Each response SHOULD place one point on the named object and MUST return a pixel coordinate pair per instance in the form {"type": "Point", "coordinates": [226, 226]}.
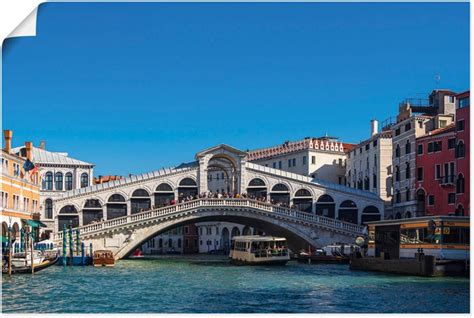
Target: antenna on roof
{"type": "Point", "coordinates": [437, 80]}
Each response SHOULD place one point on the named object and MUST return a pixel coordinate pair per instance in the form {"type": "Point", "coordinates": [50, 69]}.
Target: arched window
{"type": "Point", "coordinates": [398, 216]}
{"type": "Point", "coordinates": [460, 210]}
{"type": "Point", "coordinates": [116, 207]}
{"type": "Point", "coordinates": [348, 212]}
{"type": "Point", "coordinates": [303, 193]}
{"type": "Point", "coordinates": [160, 243]}
{"type": "Point", "coordinates": [116, 198]}
{"type": "Point", "coordinates": [407, 147]}
{"type": "Point", "coordinates": [48, 181]}
{"type": "Point", "coordinates": [325, 206]}
{"type": "Point", "coordinates": [84, 180]}
{"type": "Point", "coordinates": [256, 183]}
{"type": "Point", "coordinates": [280, 195]}
{"type": "Point", "coordinates": [58, 181]}
{"type": "Point", "coordinates": [48, 209]}
{"type": "Point", "coordinates": [140, 193]}
{"type": "Point", "coordinates": [170, 243]}
{"type": "Point", "coordinates": [407, 215]}
{"type": "Point", "coordinates": [280, 188]}
{"type": "Point", "coordinates": [68, 209]}
{"type": "Point", "coordinates": [303, 200]}
{"type": "Point", "coordinates": [460, 184]}
{"type": "Point", "coordinates": [460, 151]}
{"type": "Point", "coordinates": [179, 243]}
{"type": "Point", "coordinates": [369, 214]}
{"type": "Point", "coordinates": [68, 180]}
{"type": "Point", "coordinates": [397, 173]}
{"type": "Point", "coordinates": [140, 201]}
{"type": "Point", "coordinates": [397, 151]}
{"type": "Point", "coordinates": [398, 197]}
{"type": "Point", "coordinates": [92, 212]}
{"type": "Point", "coordinates": [407, 171]}
{"type": "Point", "coordinates": [164, 187]}
{"type": "Point", "coordinates": [188, 182]}
{"type": "Point", "coordinates": [187, 187]}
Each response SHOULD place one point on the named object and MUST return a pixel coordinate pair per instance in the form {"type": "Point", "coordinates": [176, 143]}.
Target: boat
{"type": "Point", "coordinates": [137, 254]}
{"type": "Point", "coordinates": [21, 262]}
{"type": "Point", "coordinates": [259, 250]}
{"type": "Point", "coordinates": [338, 253]}
{"type": "Point", "coordinates": [103, 258]}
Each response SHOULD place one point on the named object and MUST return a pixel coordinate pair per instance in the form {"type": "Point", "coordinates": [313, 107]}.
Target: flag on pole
{"type": "Point", "coordinates": [28, 165]}
{"type": "Point", "coordinates": [33, 172]}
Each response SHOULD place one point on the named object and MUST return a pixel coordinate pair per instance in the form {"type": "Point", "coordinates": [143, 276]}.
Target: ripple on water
{"type": "Point", "coordinates": [210, 284]}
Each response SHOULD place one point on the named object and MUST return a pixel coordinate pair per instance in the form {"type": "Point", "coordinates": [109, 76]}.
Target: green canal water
{"type": "Point", "coordinates": [208, 284]}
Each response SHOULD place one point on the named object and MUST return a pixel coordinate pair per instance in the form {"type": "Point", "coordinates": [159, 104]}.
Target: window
{"type": "Point", "coordinates": [431, 199]}
{"type": "Point", "coordinates": [313, 160]}
{"type": "Point", "coordinates": [451, 143]}
{"type": "Point", "coordinates": [419, 174]}
{"type": "Point", "coordinates": [16, 169]}
{"type": "Point", "coordinates": [438, 146]}
{"type": "Point", "coordinates": [4, 202]}
{"type": "Point", "coordinates": [464, 102]}
{"type": "Point", "coordinates": [407, 171]}
{"type": "Point", "coordinates": [420, 124]}
{"type": "Point", "coordinates": [186, 230]}
{"type": "Point", "coordinates": [407, 126]}
{"type": "Point", "coordinates": [48, 181]}
{"type": "Point", "coordinates": [460, 151]}
{"type": "Point", "coordinates": [279, 164]}
{"type": "Point", "coordinates": [68, 181]}
{"type": "Point", "coordinates": [367, 147]}
{"type": "Point", "coordinates": [451, 198]}
{"type": "Point", "coordinates": [438, 171]}
{"type": "Point", "coordinates": [407, 147]}
{"type": "Point", "coordinates": [430, 147]}
{"type": "Point", "coordinates": [179, 243]}
{"type": "Point", "coordinates": [460, 125]}
{"type": "Point", "coordinates": [304, 160]}
{"type": "Point", "coordinates": [460, 184]}
{"type": "Point", "coordinates": [374, 143]}
{"type": "Point", "coordinates": [398, 197]}
{"type": "Point", "coordinates": [294, 162]}
{"type": "Point", "coordinates": [58, 181]}
{"type": "Point", "coordinates": [360, 150]}
{"type": "Point", "coordinates": [274, 165]}
{"type": "Point", "coordinates": [374, 181]}
{"type": "Point", "coordinates": [397, 151]}
{"type": "Point", "coordinates": [397, 132]}
{"type": "Point", "coordinates": [289, 163]}
{"type": "Point", "coordinates": [397, 173]}
{"type": "Point", "coordinates": [420, 149]}
{"type": "Point", "coordinates": [407, 194]}
{"type": "Point", "coordinates": [442, 123]}
{"type": "Point", "coordinates": [84, 180]}
{"type": "Point", "coordinates": [48, 208]}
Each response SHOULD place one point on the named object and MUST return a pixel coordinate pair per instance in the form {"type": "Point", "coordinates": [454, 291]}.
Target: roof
{"type": "Point", "coordinates": [439, 131]}
{"type": "Point", "coordinates": [42, 156]}
{"type": "Point", "coordinates": [219, 148]}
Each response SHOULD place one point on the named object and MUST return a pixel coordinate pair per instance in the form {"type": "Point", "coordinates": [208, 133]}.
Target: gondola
{"type": "Point", "coordinates": [47, 262]}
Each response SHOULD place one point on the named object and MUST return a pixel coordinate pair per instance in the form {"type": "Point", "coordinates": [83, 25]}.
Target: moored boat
{"type": "Point", "coordinates": [21, 263]}
{"type": "Point", "coordinates": [103, 258]}
{"type": "Point", "coordinates": [259, 250]}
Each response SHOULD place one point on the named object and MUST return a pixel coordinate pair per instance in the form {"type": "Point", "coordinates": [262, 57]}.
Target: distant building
{"type": "Point", "coordinates": [59, 174]}
{"type": "Point", "coordinates": [191, 239]}
{"type": "Point", "coordinates": [369, 164]}
{"type": "Point", "coordinates": [416, 118]}
{"type": "Point", "coordinates": [168, 242]}
{"type": "Point", "coordinates": [321, 158]}
{"type": "Point", "coordinates": [463, 153]}
{"type": "Point", "coordinates": [216, 236]}
{"type": "Point", "coordinates": [20, 194]}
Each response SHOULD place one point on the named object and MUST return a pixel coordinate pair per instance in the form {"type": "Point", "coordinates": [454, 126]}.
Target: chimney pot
{"type": "Point", "coordinates": [374, 127]}
{"type": "Point", "coordinates": [8, 134]}
{"type": "Point", "coordinates": [29, 149]}
{"type": "Point", "coordinates": [42, 144]}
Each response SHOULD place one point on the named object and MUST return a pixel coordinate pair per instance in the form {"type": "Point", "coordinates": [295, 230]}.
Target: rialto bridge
{"type": "Point", "coordinates": [123, 214]}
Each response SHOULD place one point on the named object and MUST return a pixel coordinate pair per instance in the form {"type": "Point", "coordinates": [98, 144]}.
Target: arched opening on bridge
{"type": "Point", "coordinates": [140, 201]}
{"type": "Point", "coordinates": [225, 240]}
{"type": "Point", "coordinates": [371, 213]}
{"type": "Point", "coordinates": [407, 214]}
{"type": "Point", "coordinates": [116, 207]}
{"type": "Point", "coordinates": [398, 216]}
{"type": "Point", "coordinates": [222, 174]}
{"type": "Point", "coordinates": [92, 212]}
{"type": "Point", "coordinates": [325, 206]}
{"type": "Point", "coordinates": [280, 195]}
{"type": "Point", "coordinates": [15, 231]}
{"type": "Point", "coordinates": [348, 212]}
{"type": "Point", "coordinates": [420, 201]}
{"type": "Point", "coordinates": [257, 189]}
{"type": "Point", "coordinates": [187, 187]}
{"type": "Point", "coordinates": [68, 217]}
{"type": "Point", "coordinates": [303, 200]}
{"type": "Point", "coordinates": [235, 232]}
{"type": "Point", "coordinates": [164, 195]}
{"type": "Point", "coordinates": [247, 230]}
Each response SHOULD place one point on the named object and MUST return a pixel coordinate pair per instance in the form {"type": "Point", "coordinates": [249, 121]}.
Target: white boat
{"type": "Point", "coordinates": [259, 250]}
{"type": "Point", "coordinates": [340, 249]}
{"type": "Point", "coordinates": [24, 259]}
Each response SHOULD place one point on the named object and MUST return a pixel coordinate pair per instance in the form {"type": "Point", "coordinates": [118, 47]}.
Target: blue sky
{"type": "Point", "coordinates": [136, 87]}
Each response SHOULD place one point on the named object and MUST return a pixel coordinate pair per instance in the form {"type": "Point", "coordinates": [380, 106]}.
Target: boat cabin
{"type": "Point", "coordinates": [444, 237]}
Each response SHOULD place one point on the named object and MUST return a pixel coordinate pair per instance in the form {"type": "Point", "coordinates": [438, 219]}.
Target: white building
{"type": "Point", "coordinates": [216, 236]}
{"type": "Point", "coordinates": [369, 164]}
{"type": "Point", "coordinates": [320, 158]}
{"type": "Point", "coordinates": [168, 242]}
{"type": "Point", "coordinates": [59, 173]}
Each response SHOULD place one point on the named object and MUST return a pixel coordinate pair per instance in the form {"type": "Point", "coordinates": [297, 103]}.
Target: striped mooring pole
{"type": "Point", "coordinates": [64, 244]}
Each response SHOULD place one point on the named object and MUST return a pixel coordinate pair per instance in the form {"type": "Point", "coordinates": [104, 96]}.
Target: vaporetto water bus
{"type": "Point", "coordinates": [259, 250]}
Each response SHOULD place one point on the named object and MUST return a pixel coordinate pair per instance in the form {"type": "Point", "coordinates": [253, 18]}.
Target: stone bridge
{"type": "Point", "coordinates": [132, 208]}
{"type": "Point", "coordinates": [123, 235]}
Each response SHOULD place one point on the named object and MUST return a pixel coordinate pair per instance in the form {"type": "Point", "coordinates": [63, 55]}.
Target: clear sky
{"type": "Point", "coordinates": [136, 87]}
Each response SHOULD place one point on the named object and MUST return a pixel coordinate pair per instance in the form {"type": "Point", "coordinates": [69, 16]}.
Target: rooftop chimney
{"type": "Point", "coordinates": [42, 144]}
{"type": "Point", "coordinates": [8, 134]}
{"type": "Point", "coordinates": [374, 127]}
{"type": "Point", "coordinates": [29, 149]}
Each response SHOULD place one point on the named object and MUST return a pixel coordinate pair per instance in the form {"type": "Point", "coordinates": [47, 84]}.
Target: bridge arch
{"type": "Point", "coordinates": [326, 206]}
{"type": "Point", "coordinates": [92, 211]}
{"type": "Point", "coordinates": [164, 194]}
{"type": "Point", "coordinates": [140, 200]}
{"type": "Point", "coordinates": [68, 215]}
{"type": "Point", "coordinates": [280, 194]}
{"type": "Point", "coordinates": [372, 213]}
{"type": "Point", "coordinates": [116, 206]}
{"type": "Point", "coordinates": [257, 188]}
{"type": "Point", "coordinates": [187, 187]}
{"type": "Point", "coordinates": [228, 166]}
{"type": "Point", "coordinates": [348, 212]}
{"type": "Point", "coordinates": [303, 200]}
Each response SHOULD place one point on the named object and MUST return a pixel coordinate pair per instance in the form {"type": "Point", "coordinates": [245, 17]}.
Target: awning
{"type": "Point", "coordinates": [34, 223]}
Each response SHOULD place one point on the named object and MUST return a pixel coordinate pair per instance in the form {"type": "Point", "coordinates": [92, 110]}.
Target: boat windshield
{"type": "Point", "coordinates": [269, 248]}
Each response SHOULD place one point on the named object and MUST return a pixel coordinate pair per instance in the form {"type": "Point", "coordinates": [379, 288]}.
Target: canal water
{"type": "Point", "coordinates": [208, 284]}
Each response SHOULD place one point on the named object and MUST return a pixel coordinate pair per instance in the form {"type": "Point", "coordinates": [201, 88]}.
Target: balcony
{"type": "Point", "coordinates": [447, 181]}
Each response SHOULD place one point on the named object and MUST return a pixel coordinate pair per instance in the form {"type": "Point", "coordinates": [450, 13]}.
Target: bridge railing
{"type": "Point", "coordinates": [169, 210]}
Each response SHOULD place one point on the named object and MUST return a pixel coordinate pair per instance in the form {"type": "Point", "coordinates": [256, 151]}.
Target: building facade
{"type": "Point", "coordinates": [321, 158]}
{"type": "Point", "coordinates": [215, 237]}
{"type": "Point", "coordinates": [59, 173]}
{"type": "Point", "coordinates": [435, 173]}
{"type": "Point", "coordinates": [416, 118]}
{"type": "Point", "coordinates": [20, 192]}
{"type": "Point", "coordinates": [369, 164]}
{"type": "Point", "coordinates": [463, 153]}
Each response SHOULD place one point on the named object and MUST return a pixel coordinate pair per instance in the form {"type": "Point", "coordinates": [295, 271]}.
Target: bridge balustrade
{"type": "Point", "coordinates": [168, 210]}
